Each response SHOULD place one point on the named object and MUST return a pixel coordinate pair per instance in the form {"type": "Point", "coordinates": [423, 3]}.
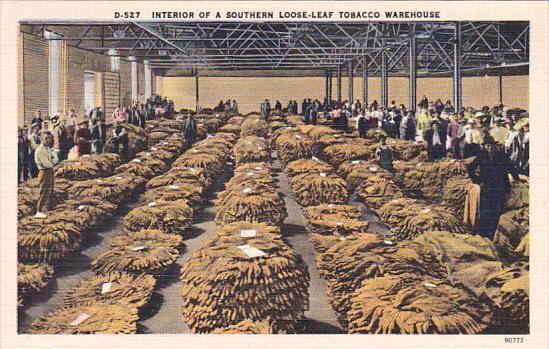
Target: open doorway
{"type": "Point", "coordinates": [89, 91]}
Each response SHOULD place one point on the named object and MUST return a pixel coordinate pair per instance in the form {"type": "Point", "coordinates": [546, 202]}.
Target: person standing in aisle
{"type": "Point", "coordinates": [98, 136]}
{"type": "Point", "coordinates": [362, 125]}
{"type": "Point", "coordinates": [266, 109]}
{"type": "Point", "coordinates": [490, 170]}
{"type": "Point", "coordinates": [278, 106]}
{"type": "Point", "coordinates": [34, 143]}
{"type": "Point", "coordinates": [190, 130]}
{"type": "Point", "coordinates": [22, 154]}
{"type": "Point", "coordinates": [436, 142]}
{"type": "Point", "coordinates": [38, 120]}
{"type": "Point", "coordinates": [120, 137]}
{"type": "Point", "coordinates": [384, 155]}
{"type": "Point", "coordinates": [234, 107]}
{"type": "Point", "coordinates": [83, 139]}
{"type": "Point", "coordinates": [45, 159]}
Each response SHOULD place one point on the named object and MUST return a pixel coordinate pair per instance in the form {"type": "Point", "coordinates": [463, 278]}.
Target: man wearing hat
{"type": "Point", "coordinates": [490, 171]}
{"type": "Point", "coordinates": [37, 120]}
{"type": "Point", "coordinates": [45, 159]}
{"type": "Point", "coordinates": [62, 140]}
{"type": "Point", "coordinates": [499, 132]}
{"type": "Point", "coordinates": [459, 141]}
{"type": "Point", "coordinates": [436, 141]}
{"type": "Point", "coordinates": [83, 139]}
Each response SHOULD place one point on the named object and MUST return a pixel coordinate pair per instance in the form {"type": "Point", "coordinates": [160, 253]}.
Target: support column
{"type": "Point", "coordinates": [326, 74]}
{"type": "Point", "coordinates": [148, 80]}
{"type": "Point", "coordinates": [412, 93]}
{"type": "Point", "coordinates": [365, 81]}
{"type": "Point", "coordinates": [197, 91]}
{"type": "Point", "coordinates": [384, 78]}
{"type": "Point", "coordinates": [330, 86]}
{"type": "Point", "coordinates": [351, 78]}
{"type": "Point", "coordinates": [133, 70]}
{"type": "Point", "coordinates": [457, 66]}
{"type": "Point", "coordinates": [339, 83]}
{"type": "Point", "coordinates": [500, 89]}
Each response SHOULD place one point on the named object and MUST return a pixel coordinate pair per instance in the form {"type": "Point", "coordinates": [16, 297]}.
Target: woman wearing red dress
{"type": "Point", "coordinates": [83, 139]}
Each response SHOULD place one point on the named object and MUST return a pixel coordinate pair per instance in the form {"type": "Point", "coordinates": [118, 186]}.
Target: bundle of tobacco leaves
{"type": "Point", "coordinates": [313, 165]}
{"type": "Point", "coordinates": [251, 149]}
{"type": "Point", "coordinates": [190, 193]}
{"type": "Point", "coordinates": [254, 278]}
{"type": "Point", "coordinates": [47, 239]}
{"type": "Point", "coordinates": [246, 327]}
{"type": "Point", "coordinates": [168, 216]}
{"type": "Point", "coordinates": [90, 319]}
{"type": "Point", "coordinates": [254, 127]}
{"type": "Point", "coordinates": [377, 190]}
{"type": "Point", "coordinates": [145, 251]}
{"type": "Point", "coordinates": [292, 146]}
{"type": "Point", "coordinates": [319, 188]}
{"type": "Point", "coordinates": [366, 255]}
{"type": "Point", "coordinates": [114, 288]}
{"type": "Point", "coordinates": [415, 304]}
{"type": "Point", "coordinates": [408, 218]}
{"type": "Point", "coordinates": [32, 278]}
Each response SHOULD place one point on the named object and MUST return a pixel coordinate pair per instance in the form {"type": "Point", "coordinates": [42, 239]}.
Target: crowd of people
{"type": "Point", "coordinates": [83, 135]}
{"type": "Point", "coordinates": [227, 107]}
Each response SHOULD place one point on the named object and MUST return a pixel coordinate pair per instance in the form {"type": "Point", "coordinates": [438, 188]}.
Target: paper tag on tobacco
{"type": "Point", "coordinates": [315, 158]}
{"type": "Point", "coordinates": [252, 252]}
{"type": "Point", "coordinates": [174, 186]}
{"type": "Point", "coordinates": [136, 160]}
{"type": "Point", "coordinates": [147, 154]}
{"type": "Point", "coordinates": [354, 162]}
{"type": "Point", "coordinates": [373, 169]}
{"type": "Point", "coordinates": [80, 319]}
{"type": "Point", "coordinates": [191, 169]}
{"type": "Point", "coordinates": [322, 174]}
{"type": "Point", "coordinates": [154, 148]}
{"type": "Point", "coordinates": [247, 190]}
{"type": "Point", "coordinates": [138, 248]}
{"type": "Point", "coordinates": [297, 136]}
{"type": "Point", "coordinates": [248, 233]}
{"type": "Point", "coordinates": [249, 173]}
{"type": "Point", "coordinates": [118, 177]}
{"type": "Point", "coordinates": [428, 284]}
{"type": "Point", "coordinates": [259, 168]}
{"type": "Point", "coordinates": [106, 287]}
{"type": "Point", "coordinates": [387, 242]}
{"type": "Point", "coordinates": [81, 207]}
{"type": "Point", "coordinates": [99, 181]}
{"type": "Point", "coordinates": [151, 204]}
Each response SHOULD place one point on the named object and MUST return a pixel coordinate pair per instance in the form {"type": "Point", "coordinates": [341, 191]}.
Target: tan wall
{"type": "Point", "coordinates": [35, 77]}
{"type": "Point", "coordinates": [250, 92]}
{"type": "Point", "coordinates": [74, 62]}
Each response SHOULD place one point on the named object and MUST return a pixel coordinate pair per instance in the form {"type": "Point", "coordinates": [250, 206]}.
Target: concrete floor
{"type": "Point", "coordinates": [162, 313]}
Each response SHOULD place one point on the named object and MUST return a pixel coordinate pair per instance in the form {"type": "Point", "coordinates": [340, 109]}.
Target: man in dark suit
{"type": "Point", "coordinates": [436, 141]}
{"type": "Point", "coordinates": [490, 170]}
{"type": "Point", "coordinates": [99, 135]}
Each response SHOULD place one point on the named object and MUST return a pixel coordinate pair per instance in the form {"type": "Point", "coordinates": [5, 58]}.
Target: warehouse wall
{"type": "Point", "coordinates": [112, 88]}
{"type": "Point", "coordinates": [250, 92]}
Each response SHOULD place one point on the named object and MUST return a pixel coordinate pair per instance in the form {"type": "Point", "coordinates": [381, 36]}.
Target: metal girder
{"type": "Point", "coordinates": [302, 45]}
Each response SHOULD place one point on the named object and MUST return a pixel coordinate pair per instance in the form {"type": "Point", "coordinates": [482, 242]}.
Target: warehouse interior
{"type": "Point", "coordinates": [263, 223]}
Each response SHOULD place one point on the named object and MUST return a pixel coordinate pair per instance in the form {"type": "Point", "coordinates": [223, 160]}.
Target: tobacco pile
{"type": "Point", "coordinates": [377, 190]}
{"type": "Point", "coordinates": [253, 203]}
{"type": "Point", "coordinates": [344, 211]}
{"type": "Point", "coordinates": [178, 176]}
{"type": "Point", "coordinates": [303, 166]}
{"type": "Point", "coordinates": [509, 290]}
{"type": "Point", "coordinates": [376, 134]}
{"type": "Point", "coordinates": [254, 127]}
{"type": "Point", "coordinates": [231, 128]}
{"type": "Point", "coordinates": [292, 146]}
{"type": "Point", "coordinates": [88, 167]}
{"type": "Point", "coordinates": [468, 259]}
{"type": "Point", "coordinates": [246, 327]}
{"type": "Point", "coordinates": [414, 304]}
{"type": "Point", "coordinates": [88, 213]}
{"type": "Point", "coordinates": [406, 150]}
{"type": "Point", "coordinates": [190, 193]}
{"type": "Point", "coordinates": [123, 289]}
{"type": "Point", "coordinates": [32, 278]}
{"type": "Point", "coordinates": [251, 149]}
{"type": "Point", "coordinates": [238, 287]}
{"type": "Point", "coordinates": [362, 256]}
{"type": "Point", "coordinates": [409, 218]}
{"type": "Point", "coordinates": [350, 150]}
{"type": "Point", "coordinates": [318, 188]}
{"type": "Point", "coordinates": [136, 167]}
{"type": "Point", "coordinates": [116, 189]}
{"type": "Point", "coordinates": [145, 251]}
{"type": "Point", "coordinates": [243, 229]}
{"type": "Point", "coordinates": [99, 319]}
{"type": "Point", "coordinates": [428, 178]}
{"type": "Point", "coordinates": [519, 196]}
{"type": "Point", "coordinates": [173, 217]}
{"type": "Point", "coordinates": [47, 239]}
{"type": "Point", "coordinates": [356, 172]}
{"type": "Point", "coordinates": [330, 228]}
{"type": "Point", "coordinates": [454, 194]}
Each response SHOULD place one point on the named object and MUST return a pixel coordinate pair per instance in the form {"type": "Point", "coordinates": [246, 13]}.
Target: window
{"type": "Point", "coordinates": [54, 47]}
{"type": "Point", "coordinates": [89, 91]}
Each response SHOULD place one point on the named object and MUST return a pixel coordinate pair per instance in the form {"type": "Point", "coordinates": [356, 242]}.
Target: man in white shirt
{"type": "Point", "coordinates": [45, 159]}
